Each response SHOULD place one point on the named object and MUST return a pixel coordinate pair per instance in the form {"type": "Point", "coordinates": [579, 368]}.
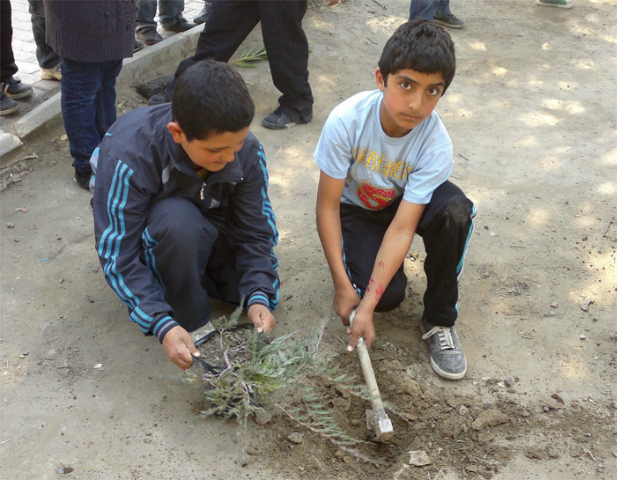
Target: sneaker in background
{"type": "Point", "coordinates": [15, 89]}
{"type": "Point", "coordinates": [51, 73]}
{"type": "Point", "coordinates": [449, 21]}
{"type": "Point", "coordinates": [148, 36]}
{"type": "Point", "coordinates": [445, 349]}
{"type": "Point", "coordinates": [556, 3]}
{"type": "Point", "coordinates": [83, 179]}
{"type": "Point", "coordinates": [180, 24]}
{"type": "Point", "coordinates": [284, 117]}
{"type": "Point", "coordinates": [137, 46]}
{"type": "Point", "coordinates": [7, 105]}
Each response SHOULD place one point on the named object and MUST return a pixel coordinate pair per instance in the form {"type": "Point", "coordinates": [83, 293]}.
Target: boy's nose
{"type": "Point", "coordinates": [415, 101]}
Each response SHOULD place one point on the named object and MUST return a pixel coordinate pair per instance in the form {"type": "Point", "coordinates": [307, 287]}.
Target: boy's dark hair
{"type": "Point", "coordinates": [421, 46]}
{"type": "Point", "coordinates": [209, 98]}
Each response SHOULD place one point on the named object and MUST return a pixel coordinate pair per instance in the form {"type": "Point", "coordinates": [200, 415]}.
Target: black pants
{"type": "Point", "coordinates": [8, 67]}
{"type": "Point", "coordinates": [190, 257]}
{"type": "Point", "coordinates": [45, 55]}
{"type": "Point", "coordinates": [445, 226]}
{"type": "Point", "coordinates": [229, 23]}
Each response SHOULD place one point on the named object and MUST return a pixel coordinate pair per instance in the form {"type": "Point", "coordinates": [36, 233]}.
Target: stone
{"type": "Point", "coordinates": [262, 417]}
{"type": "Point", "coordinates": [295, 437]}
{"type": "Point", "coordinates": [489, 418]}
{"type": "Point", "coordinates": [418, 458]}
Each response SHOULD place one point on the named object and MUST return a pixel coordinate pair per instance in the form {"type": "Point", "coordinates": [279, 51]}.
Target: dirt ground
{"type": "Point", "coordinates": [531, 112]}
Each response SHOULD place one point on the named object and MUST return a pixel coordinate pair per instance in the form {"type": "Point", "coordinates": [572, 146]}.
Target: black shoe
{"type": "Point", "coordinates": [7, 105]}
{"type": "Point", "coordinates": [83, 179]}
{"type": "Point", "coordinates": [203, 15]}
{"type": "Point", "coordinates": [445, 349]}
{"type": "Point", "coordinates": [137, 46]}
{"type": "Point", "coordinates": [165, 96]}
{"type": "Point", "coordinates": [15, 89]}
{"type": "Point", "coordinates": [449, 21]}
{"type": "Point", "coordinates": [180, 24]}
{"type": "Point", "coordinates": [284, 117]}
{"type": "Point", "coordinates": [149, 36]}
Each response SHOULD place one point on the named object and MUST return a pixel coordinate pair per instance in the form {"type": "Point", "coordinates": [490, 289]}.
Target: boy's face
{"type": "Point", "coordinates": [214, 152]}
{"type": "Point", "coordinates": [408, 99]}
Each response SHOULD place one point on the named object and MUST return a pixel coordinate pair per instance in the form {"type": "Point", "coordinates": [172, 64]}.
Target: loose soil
{"type": "Point", "coordinates": [531, 113]}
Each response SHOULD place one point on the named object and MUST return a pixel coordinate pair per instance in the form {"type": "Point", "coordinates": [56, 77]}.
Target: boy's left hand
{"type": "Point", "coordinates": [262, 318]}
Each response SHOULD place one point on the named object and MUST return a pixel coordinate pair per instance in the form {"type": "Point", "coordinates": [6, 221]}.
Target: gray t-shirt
{"type": "Point", "coordinates": [379, 168]}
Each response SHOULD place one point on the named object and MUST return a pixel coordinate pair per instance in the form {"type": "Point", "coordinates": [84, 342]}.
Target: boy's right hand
{"type": "Point", "coordinates": [345, 300]}
{"type": "Point", "coordinates": [362, 328]}
{"type": "Point", "coordinates": [179, 346]}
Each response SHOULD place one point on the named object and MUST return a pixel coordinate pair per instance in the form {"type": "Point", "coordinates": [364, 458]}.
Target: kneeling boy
{"type": "Point", "coordinates": [181, 210]}
{"type": "Point", "coordinates": [385, 159]}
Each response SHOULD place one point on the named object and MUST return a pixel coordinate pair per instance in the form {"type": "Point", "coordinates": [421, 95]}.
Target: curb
{"type": "Point", "coordinates": [134, 70]}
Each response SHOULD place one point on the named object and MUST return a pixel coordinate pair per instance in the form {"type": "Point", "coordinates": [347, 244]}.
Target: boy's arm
{"type": "Point", "coordinates": [252, 234]}
{"type": "Point", "coordinates": [394, 247]}
{"type": "Point", "coordinates": [120, 207]}
{"type": "Point", "coordinates": [328, 216]}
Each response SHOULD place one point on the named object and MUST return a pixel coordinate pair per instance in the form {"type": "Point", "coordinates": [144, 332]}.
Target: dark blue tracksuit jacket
{"type": "Point", "coordinates": [138, 163]}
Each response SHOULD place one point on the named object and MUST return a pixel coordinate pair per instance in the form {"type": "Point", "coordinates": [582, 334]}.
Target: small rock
{"type": "Point", "coordinates": [489, 418]}
{"type": "Point", "coordinates": [534, 453]}
{"type": "Point", "coordinates": [585, 303]}
{"type": "Point", "coordinates": [557, 398]}
{"type": "Point", "coordinates": [262, 417]}
{"type": "Point", "coordinates": [65, 470]}
{"type": "Point", "coordinates": [472, 468]}
{"type": "Point", "coordinates": [10, 225]}
{"type": "Point", "coordinates": [339, 454]}
{"type": "Point", "coordinates": [551, 404]}
{"type": "Point", "coordinates": [582, 337]}
{"type": "Point", "coordinates": [16, 240]}
{"type": "Point", "coordinates": [25, 352]}
{"type": "Point", "coordinates": [552, 453]}
{"type": "Point", "coordinates": [463, 410]}
{"type": "Point", "coordinates": [418, 458]}
{"type": "Point", "coordinates": [295, 437]}
{"type": "Point", "coordinates": [508, 382]}
{"type": "Point", "coordinates": [98, 366]}
{"type": "Point", "coordinates": [554, 305]}
{"type": "Point", "coordinates": [64, 138]}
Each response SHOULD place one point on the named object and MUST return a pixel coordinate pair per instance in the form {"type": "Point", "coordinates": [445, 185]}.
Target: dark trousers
{"type": "Point", "coordinates": [88, 103]}
{"type": "Point", "coordinates": [8, 67]}
{"type": "Point", "coordinates": [428, 9]}
{"type": "Point", "coordinates": [45, 55]}
{"type": "Point", "coordinates": [146, 10]}
{"type": "Point", "coordinates": [229, 23]}
{"type": "Point", "coordinates": [445, 226]}
{"type": "Point", "coordinates": [191, 259]}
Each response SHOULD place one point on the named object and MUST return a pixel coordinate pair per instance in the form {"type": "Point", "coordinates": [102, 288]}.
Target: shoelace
{"type": "Point", "coordinates": [444, 337]}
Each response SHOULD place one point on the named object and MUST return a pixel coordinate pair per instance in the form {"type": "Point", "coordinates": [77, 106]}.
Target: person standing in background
{"type": "Point", "coordinates": [49, 61]}
{"type": "Point", "coordinates": [11, 87]}
{"type": "Point", "coordinates": [91, 38]}
{"type": "Point", "coordinates": [436, 10]}
{"type": "Point", "coordinates": [170, 16]}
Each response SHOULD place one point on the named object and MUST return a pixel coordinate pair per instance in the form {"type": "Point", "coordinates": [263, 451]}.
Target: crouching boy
{"type": "Point", "coordinates": [385, 159]}
{"type": "Point", "coordinates": [181, 210]}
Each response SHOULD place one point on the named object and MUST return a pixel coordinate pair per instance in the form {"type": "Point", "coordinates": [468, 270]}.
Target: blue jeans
{"type": "Point", "coordinates": [168, 11]}
{"type": "Point", "coordinates": [88, 105]}
{"type": "Point", "coordinates": [428, 9]}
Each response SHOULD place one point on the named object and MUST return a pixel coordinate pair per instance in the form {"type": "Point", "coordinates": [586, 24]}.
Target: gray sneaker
{"type": "Point", "coordinates": [447, 356]}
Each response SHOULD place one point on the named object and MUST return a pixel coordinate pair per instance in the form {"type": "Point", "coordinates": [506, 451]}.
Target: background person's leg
{"type": "Point", "coordinates": [423, 9]}
{"type": "Point", "coordinates": [105, 102]}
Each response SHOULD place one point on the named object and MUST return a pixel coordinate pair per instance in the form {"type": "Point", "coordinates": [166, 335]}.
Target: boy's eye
{"type": "Point", "coordinates": [433, 92]}
{"type": "Point", "coordinates": [406, 85]}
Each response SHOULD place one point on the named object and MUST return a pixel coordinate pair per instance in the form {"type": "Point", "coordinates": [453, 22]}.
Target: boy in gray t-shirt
{"type": "Point", "coordinates": [385, 158]}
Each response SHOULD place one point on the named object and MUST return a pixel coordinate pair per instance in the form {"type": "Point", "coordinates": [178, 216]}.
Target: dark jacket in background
{"type": "Point", "coordinates": [91, 30]}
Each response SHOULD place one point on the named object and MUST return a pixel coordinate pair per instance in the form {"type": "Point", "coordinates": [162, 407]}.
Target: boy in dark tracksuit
{"type": "Point", "coordinates": [385, 158]}
{"type": "Point", "coordinates": [181, 210]}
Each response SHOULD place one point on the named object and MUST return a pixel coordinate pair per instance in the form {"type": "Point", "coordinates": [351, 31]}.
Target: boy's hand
{"type": "Point", "coordinates": [345, 300]}
{"type": "Point", "coordinates": [262, 318]}
{"type": "Point", "coordinates": [178, 346]}
{"type": "Point", "coordinates": [362, 328]}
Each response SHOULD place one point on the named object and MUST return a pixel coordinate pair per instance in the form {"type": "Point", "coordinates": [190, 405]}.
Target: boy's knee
{"type": "Point", "coordinates": [455, 209]}
{"type": "Point", "coordinates": [180, 222]}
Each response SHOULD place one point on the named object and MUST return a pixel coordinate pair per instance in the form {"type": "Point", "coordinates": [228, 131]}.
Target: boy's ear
{"type": "Point", "coordinates": [381, 84]}
{"type": "Point", "coordinates": [176, 132]}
